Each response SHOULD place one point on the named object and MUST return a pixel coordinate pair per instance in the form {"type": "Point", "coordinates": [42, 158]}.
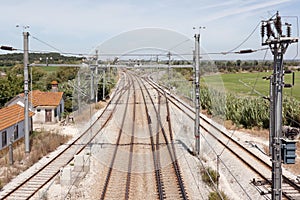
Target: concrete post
{"type": "Point", "coordinates": [26, 103]}
{"type": "Point", "coordinates": [197, 94]}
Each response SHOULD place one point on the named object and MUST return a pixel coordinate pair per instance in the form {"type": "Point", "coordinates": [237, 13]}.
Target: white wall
{"type": "Point", "coordinates": [10, 132]}
{"type": "Point", "coordinates": [39, 117]}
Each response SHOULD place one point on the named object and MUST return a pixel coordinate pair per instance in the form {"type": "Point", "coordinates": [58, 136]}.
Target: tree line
{"type": "Point", "coordinates": [9, 60]}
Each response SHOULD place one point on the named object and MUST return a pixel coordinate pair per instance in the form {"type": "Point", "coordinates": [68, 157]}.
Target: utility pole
{"type": "Point", "coordinates": [78, 94]}
{"type": "Point", "coordinates": [96, 61]}
{"type": "Point", "coordinates": [103, 87]}
{"type": "Point", "coordinates": [169, 65]}
{"type": "Point", "coordinates": [26, 103]}
{"type": "Point", "coordinates": [11, 153]}
{"type": "Point", "coordinates": [197, 94]}
{"type": "Point", "coordinates": [92, 93]}
{"type": "Point", "coordinates": [97, 77]}
{"type": "Point", "coordinates": [278, 44]}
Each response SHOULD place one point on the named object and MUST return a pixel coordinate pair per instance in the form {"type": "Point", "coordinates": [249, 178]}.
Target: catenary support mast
{"type": "Point", "coordinates": [26, 103]}
{"type": "Point", "coordinates": [278, 44]}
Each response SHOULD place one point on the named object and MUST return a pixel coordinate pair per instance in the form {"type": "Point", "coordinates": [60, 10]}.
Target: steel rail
{"type": "Point", "coordinates": [127, 188]}
{"type": "Point", "coordinates": [171, 152]}
{"type": "Point", "coordinates": [109, 174]}
{"type": "Point", "coordinates": [63, 152]}
{"type": "Point", "coordinates": [158, 178]}
{"type": "Point", "coordinates": [170, 97]}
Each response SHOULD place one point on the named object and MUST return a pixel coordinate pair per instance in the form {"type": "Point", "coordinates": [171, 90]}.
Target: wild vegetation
{"type": "Point", "coordinates": [238, 97]}
{"type": "Point", "coordinates": [210, 177]}
{"type": "Point", "coordinates": [10, 60]}
{"type": "Point", "coordinates": [12, 81]}
{"type": "Point", "coordinates": [42, 143]}
{"type": "Point", "coordinates": [215, 196]}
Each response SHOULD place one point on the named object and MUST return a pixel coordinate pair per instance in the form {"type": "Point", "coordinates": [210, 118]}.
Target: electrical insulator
{"type": "Point", "coordinates": [269, 30]}
{"type": "Point", "coordinates": [289, 31]}
{"type": "Point", "coordinates": [246, 51]}
{"type": "Point", "coordinates": [7, 48]}
{"type": "Point", "coordinates": [278, 25]}
{"type": "Point", "coordinates": [262, 30]}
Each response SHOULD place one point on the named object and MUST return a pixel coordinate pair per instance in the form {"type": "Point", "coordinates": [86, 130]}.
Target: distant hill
{"type": "Point", "coordinates": [8, 60]}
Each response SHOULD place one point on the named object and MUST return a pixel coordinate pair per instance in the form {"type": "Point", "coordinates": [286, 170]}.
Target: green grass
{"type": "Point", "coordinates": [245, 84]}
{"type": "Point", "coordinates": [49, 69]}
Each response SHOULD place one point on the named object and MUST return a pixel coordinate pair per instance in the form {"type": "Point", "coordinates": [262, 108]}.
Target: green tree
{"type": "Point", "coordinates": [10, 86]}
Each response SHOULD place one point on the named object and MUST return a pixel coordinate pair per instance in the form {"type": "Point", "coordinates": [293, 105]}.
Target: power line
{"type": "Point", "coordinates": [232, 51]}
{"type": "Point", "coordinates": [49, 45]}
{"type": "Point", "coordinates": [245, 40]}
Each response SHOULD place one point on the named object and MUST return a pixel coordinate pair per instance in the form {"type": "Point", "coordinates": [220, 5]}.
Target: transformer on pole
{"type": "Point", "coordinates": [278, 44]}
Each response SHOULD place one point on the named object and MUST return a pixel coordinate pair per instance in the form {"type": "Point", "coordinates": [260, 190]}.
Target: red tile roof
{"type": "Point", "coordinates": [40, 98]}
{"type": "Point", "coordinates": [54, 83]}
{"type": "Point", "coordinates": [11, 115]}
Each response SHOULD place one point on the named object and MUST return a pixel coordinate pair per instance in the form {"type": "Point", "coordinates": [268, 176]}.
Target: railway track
{"type": "Point", "coordinates": [291, 190]}
{"type": "Point", "coordinates": [110, 190]}
{"type": "Point", "coordinates": [28, 187]}
{"type": "Point", "coordinates": [166, 173]}
{"type": "Point", "coordinates": [167, 180]}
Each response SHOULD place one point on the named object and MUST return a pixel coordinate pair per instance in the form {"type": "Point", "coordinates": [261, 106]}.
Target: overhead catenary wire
{"type": "Point", "coordinates": [139, 54]}
{"type": "Point", "coordinates": [244, 41]}
{"type": "Point", "coordinates": [46, 43]}
{"type": "Point", "coordinates": [232, 51]}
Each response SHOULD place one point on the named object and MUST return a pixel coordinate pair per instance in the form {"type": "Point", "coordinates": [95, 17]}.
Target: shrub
{"type": "Point", "coordinates": [209, 175]}
{"type": "Point", "coordinates": [215, 196]}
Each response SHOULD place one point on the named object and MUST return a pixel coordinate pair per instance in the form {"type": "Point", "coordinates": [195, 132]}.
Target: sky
{"type": "Point", "coordinates": [80, 26]}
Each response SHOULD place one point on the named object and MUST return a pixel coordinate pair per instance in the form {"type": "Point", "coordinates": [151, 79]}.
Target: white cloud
{"type": "Point", "coordinates": [245, 8]}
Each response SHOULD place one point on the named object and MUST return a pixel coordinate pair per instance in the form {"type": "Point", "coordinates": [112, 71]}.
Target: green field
{"type": "Point", "coordinates": [49, 69]}
{"type": "Point", "coordinates": [250, 83]}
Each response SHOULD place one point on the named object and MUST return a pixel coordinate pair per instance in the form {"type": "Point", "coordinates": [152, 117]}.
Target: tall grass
{"type": "Point", "coordinates": [247, 111]}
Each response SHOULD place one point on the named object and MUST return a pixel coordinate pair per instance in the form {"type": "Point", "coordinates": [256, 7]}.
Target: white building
{"type": "Point", "coordinates": [12, 124]}
{"type": "Point", "coordinates": [47, 106]}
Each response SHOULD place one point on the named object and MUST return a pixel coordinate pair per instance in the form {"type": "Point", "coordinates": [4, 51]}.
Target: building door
{"type": "Point", "coordinates": [48, 115]}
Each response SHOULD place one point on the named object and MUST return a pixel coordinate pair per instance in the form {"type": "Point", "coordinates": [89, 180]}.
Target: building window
{"type": "Point", "coordinates": [16, 132]}
{"type": "Point", "coordinates": [4, 138]}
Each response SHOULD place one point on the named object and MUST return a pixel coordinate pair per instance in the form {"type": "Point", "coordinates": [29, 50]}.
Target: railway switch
{"type": "Point", "coordinates": [288, 151]}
